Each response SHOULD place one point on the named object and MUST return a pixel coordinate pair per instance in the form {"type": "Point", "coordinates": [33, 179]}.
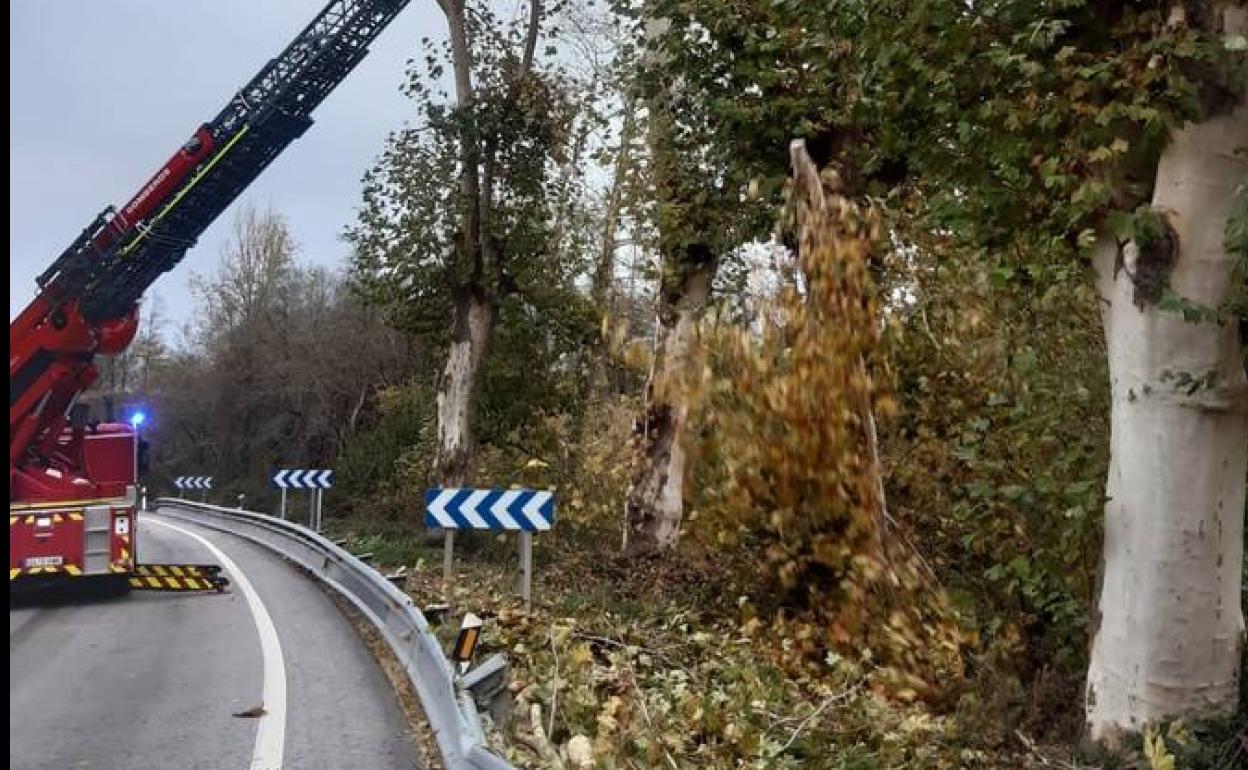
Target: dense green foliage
{"type": "Point", "coordinates": [999, 139]}
{"type": "Point", "coordinates": [476, 200]}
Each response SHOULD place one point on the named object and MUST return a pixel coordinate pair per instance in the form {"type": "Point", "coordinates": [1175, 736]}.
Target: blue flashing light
{"type": "Point", "coordinates": [137, 419]}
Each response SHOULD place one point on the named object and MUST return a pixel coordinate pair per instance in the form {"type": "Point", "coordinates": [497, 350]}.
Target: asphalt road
{"type": "Point", "coordinates": [153, 680]}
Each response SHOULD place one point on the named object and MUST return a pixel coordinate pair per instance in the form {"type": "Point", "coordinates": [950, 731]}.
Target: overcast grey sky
{"type": "Point", "coordinates": [101, 94]}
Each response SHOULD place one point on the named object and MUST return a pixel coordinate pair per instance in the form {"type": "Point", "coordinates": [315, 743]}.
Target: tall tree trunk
{"type": "Point", "coordinates": [475, 300]}
{"type": "Point", "coordinates": [469, 181]}
{"type": "Point", "coordinates": [655, 503]}
{"type": "Point", "coordinates": [601, 290]}
{"type": "Point", "coordinates": [604, 272]}
{"type": "Point", "coordinates": [457, 391]}
{"type": "Point", "coordinates": [1171, 629]}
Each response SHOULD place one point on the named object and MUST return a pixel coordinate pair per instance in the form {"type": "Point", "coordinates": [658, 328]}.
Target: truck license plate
{"type": "Point", "coordinates": [44, 561]}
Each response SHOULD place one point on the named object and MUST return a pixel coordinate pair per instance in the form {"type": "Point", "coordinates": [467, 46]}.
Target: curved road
{"type": "Point", "coordinates": [153, 680]}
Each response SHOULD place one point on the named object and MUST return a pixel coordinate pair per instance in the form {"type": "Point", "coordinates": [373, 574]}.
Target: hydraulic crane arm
{"type": "Point", "coordinates": [87, 300]}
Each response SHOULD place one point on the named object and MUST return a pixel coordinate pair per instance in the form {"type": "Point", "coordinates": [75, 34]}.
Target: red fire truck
{"type": "Point", "coordinates": [72, 481]}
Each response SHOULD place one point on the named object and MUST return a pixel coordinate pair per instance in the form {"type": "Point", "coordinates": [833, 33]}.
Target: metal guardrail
{"type": "Point", "coordinates": [452, 714]}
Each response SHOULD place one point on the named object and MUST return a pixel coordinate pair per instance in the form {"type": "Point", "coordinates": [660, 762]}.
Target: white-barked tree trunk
{"type": "Point", "coordinates": [1171, 628]}
{"type": "Point", "coordinates": [457, 392]}
{"type": "Point", "coordinates": [654, 505]}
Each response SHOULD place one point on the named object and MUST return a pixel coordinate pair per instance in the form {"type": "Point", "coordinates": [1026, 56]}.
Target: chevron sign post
{"type": "Point", "coordinates": [202, 483]}
{"type": "Point", "coordinates": [514, 509]}
{"type": "Point", "coordinates": [520, 510]}
{"type": "Point", "coordinates": [316, 481]}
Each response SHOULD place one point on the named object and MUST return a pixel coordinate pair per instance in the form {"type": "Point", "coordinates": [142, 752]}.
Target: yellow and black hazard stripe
{"type": "Point", "coordinates": [146, 577]}
{"type": "Point", "coordinates": [178, 577]}
{"type": "Point", "coordinates": [122, 562]}
{"type": "Point", "coordinates": [57, 518]}
{"type": "Point", "coordinates": [64, 569]}
{"type": "Point", "coordinates": [177, 570]}
{"type": "Point", "coordinates": [174, 584]}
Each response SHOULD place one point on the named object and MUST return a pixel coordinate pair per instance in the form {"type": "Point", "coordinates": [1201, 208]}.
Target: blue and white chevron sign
{"type": "Point", "coordinates": [301, 479]}
{"type": "Point", "coordinates": [526, 510]}
{"type": "Point", "coordinates": [193, 482]}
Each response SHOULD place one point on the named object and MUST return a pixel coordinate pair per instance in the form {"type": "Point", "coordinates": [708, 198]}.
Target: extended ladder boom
{"type": "Point", "coordinates": [88, 296]}
{"type": "Point", "coordinates": [153, 231]}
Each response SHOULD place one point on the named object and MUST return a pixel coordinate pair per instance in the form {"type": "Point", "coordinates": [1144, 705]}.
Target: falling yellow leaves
{"type": "Point", "coordinates": [793, 418]}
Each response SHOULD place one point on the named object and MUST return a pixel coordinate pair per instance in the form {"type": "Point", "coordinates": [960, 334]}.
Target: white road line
{"type": "Point", "coordinates": [271, 730]}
